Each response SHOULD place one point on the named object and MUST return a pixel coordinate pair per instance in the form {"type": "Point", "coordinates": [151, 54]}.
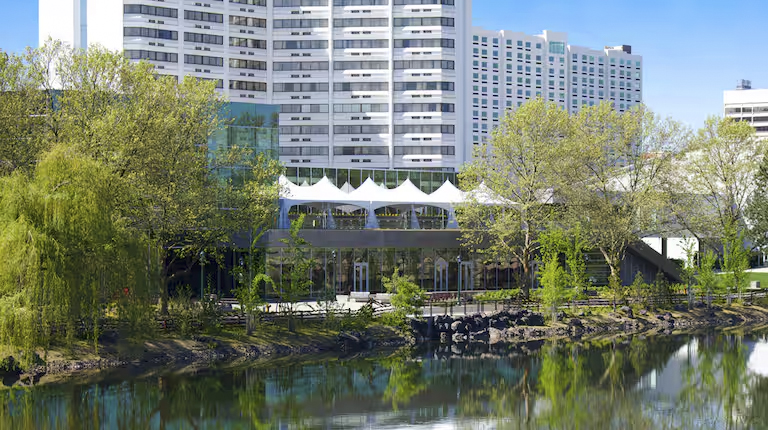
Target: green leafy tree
{"type": "Point", "coordinates": [640, 289]}
{"type": "Point", "coordinates": [294, 285]}
{"type": "Point", "coordinates": [717, 173]}
{"type": "Point", "coordinates": [757, 208]}
{"type": "Point", "coordinates": [152, 132]}
{"type": "Point", "coordinates": [689, 269]}
{"type": "Point", "coordinates": [574, 248]}
{"type": "Point", "coordinates": [552, 275]}
{"type": "Point", "coordinates": [516, 167]}
{"type": "Point", "coordinates": [67, 251]}
{"type": "Point", "coordinates": [613, 183]}
{"type": "Point", "coordinates": [251, 301]}
{"type": "Point", "coordinates": [21, 104]}
{"type": "Point", "coordinates": [407, 299]}
{"type": "Point", "coordinates": [735, 261]}
{"type": "Point", "coordinates": [708, 281]}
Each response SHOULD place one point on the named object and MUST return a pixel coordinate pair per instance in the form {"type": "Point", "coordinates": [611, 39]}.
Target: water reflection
{"type": "Point", "coordinates": [705, 381]}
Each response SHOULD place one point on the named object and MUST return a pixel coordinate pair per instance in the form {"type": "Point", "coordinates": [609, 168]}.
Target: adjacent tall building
{"type": "Point", "coordinates": [360, 83]}
{"type": "Point", "coordinates": [747, 104]}
{"type": "Point", "coordinates": [509, 68]}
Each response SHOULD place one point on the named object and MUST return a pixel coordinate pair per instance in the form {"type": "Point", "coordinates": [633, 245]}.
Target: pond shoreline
{"type": "Point", "coordinates": [515, 325]}
{"type": "Point", "coordinates": [507, 326]}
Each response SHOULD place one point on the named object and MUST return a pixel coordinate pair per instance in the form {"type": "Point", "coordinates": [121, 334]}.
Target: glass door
{"type": "Point", "coordinates": [360, 282]}
{"type": "Point", "coordinates": [467, 275]}
{"type": "Point", "coordinates": [441, 275]}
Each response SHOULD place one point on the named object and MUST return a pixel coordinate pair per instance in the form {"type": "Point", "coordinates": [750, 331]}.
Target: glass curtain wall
{"type": "Point", "coordinates": [428, 181]}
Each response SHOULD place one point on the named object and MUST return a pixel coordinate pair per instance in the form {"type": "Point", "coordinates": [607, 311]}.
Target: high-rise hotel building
{"type": "Point", "coordinates": [509, 68]}
{"type": "Point", "coordinates": [368, 84]}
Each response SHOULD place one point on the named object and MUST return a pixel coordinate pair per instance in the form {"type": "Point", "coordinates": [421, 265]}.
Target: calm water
{"type": "Point", "coordinates": [707, 381]}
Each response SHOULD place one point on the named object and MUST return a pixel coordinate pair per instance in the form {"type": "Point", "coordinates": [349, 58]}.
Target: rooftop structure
{"type": "Point", "coordinates": [747, 104]}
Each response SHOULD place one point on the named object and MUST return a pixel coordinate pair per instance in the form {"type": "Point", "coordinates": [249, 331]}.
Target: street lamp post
{"type": "Point", "coordinates": [333, 256]}
{"type": "Point", "coordinates": [202, 274]}
{"type": "Point", "coordinates": [242, 271]}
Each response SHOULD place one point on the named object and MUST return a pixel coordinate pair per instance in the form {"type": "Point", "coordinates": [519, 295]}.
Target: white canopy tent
{"type": "Point", "coordinates": [369, 196]}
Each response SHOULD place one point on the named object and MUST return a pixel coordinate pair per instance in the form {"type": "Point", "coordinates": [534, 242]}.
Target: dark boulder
{"type": "Point", "coordinates": [626, 310]}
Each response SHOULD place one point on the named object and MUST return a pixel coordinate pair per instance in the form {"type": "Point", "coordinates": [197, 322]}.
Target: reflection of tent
{"type": "Point", "coordinates": [758, 359]}
{"type": "Point", "coordinates": [369, 197]}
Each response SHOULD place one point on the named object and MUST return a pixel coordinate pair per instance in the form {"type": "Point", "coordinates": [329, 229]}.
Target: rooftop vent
{"type": "Point", "coordinates": [744, 84]}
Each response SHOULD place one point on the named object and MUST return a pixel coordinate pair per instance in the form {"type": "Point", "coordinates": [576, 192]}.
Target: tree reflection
{"type": "Point", "coordinates": [637, 383]}
{"type": "Point", "coordinates": [406, 380]}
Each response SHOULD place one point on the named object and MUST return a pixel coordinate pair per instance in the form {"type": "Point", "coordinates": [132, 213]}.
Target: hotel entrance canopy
{"type": "Point", "coordinates": [369, 196]}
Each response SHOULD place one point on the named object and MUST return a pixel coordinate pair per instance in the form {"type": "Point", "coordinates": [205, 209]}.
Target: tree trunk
{"type": "Point", "coordinates": [525, 287]}
{"type": "Point", "coordinates": [614, 281]}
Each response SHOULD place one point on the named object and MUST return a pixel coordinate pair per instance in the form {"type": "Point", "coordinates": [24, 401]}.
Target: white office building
{"type": "Point", "coordinates": [361, 83]}
{"type": "Point", "coordinates": [509, 68]}
{"type": "Point", "coordinates": [747, 104]}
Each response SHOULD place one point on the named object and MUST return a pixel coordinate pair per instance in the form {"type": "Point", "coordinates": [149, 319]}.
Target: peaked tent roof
{"type": "Point", "coordinates": [347, 188]}
{"type": "Point", "coordinates": [448, 193]}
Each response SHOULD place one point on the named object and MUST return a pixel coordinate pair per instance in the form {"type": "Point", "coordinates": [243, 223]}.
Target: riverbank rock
{"type": "Point", "coordinates": [459, 338]}
{"type": "Point", "coordinates": [626, 310]}
{"type": "Point", "coordinates": [495, 335]}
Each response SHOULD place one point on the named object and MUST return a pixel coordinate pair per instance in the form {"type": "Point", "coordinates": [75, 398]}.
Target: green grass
{"type": "Point", "coordinates": [758, 276]}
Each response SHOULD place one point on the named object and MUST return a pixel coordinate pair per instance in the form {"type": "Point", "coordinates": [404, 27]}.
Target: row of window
{"type": "Point", "coordinates": [425, 150]}
{"type": "Point", "coordinates": [247, 21]}
{"type": "Point", "coordinates": [366, 129]}
{"type": "Point", "coordinates": [247, 64]}
{"type": "Point", "coordinates": [150, 10]}
{"type": "Point", "coordinates": [361, 86]}
{"type": "Point", "coordinates": [173, 13]}
{"type": "Point", "coordinates": [291, 87]}
{"type": "Point", "coordinates": [204, 60]}
{"type": "Point", "coordinates": [423, 22]}
{"type": "Point", "coordinates": [253, 2]}
{"type": "Point", "coordinates": [247, 43]}
{"type": "Point", "coordinates": [303, 150]}
{"type": "Point", "coordinates": [140, 54]}
{"type": "Point", "coordinates": [303, 108]}
{"type": "Point", "coordinates": [300, 44]}
{"type": "Point", "coordinates": [360, 129]}
{"type": "Point", "coordinates": [290, 66]}
{"type": "Point", "coordinates": [368, 107]}
{"type": "Point", "coordinates": [151, 33]}
{"type": "Point", "coordinates": [366, 150]}
{"type": "Point", "coordinates": [424, 86]}
{"type": "Point", "coordinates": [296, 3]}
{"type": "Point", "coordinates": [248, 86]}
{"type": "Point", "coordinates": [360, 150]}
{"type": "Point", "coordinates": [425, 43]}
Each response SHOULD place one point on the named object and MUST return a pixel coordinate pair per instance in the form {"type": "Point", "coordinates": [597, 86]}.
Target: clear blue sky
{"type": "Point", "coordinates": [692, 49]}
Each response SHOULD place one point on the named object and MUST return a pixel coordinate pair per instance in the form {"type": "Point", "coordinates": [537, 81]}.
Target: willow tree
{"type": "Point", "coordinates": [613, 182]}
{"type": "Point", "coordinates": [516, 172]}
{"type": "Point", "coordinates": [152, 132]}
{"type": "Point", "coordinates": [67, 251]}
{"type": "Point", "coordinates": [22, 109]}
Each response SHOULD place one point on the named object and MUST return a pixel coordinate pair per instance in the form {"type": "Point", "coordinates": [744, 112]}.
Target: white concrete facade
{"type": "Point", "coordinates": [509, 68]}
{"type": "Point", "coordinates": [361, 83]}
{"type": "Point", "coordinates": [748, 105]}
